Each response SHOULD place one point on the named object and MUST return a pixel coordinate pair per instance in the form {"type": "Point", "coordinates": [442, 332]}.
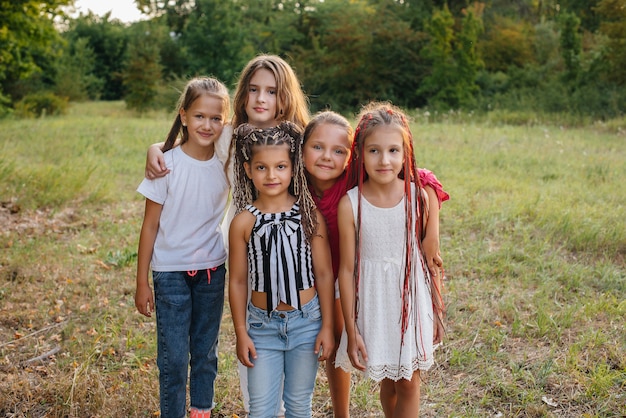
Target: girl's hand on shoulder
{"type": "Point", "coordinates": [155, 162]}
{"type": "Point", "coordinates": [324, 344]}
{"type": "Point", "coordinates": [357, 353]}
{"type": "Point", "coordinates": [246, 352]}
{"type": "Point", "coordinates": [144, 300]}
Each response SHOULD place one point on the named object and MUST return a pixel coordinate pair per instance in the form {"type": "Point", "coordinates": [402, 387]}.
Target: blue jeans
{"type": "Point", "coordinates": [188, 312]}
{"type": "Point", "coordinates": [285, 343]}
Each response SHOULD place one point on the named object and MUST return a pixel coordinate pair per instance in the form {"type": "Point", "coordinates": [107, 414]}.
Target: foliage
{"type": "Point", "coordinates": [613, 26]}
{"type": "Point", "coordinates": [108, 39]}
{"type": "Point", "coordinates": [142, 72]}
{"type": "Point", "coordinates": [374, 64]}
{"type": "Point", "coordinates": [27, 37]}
{"type": "Point", "coordinates": [507, 43]}
{"type": "Point", "coordinates": [570, 46]}
{"type": "Point", "coordinates": [416, 53]}
{"type": "Point", "coordinates": [41, 104]}
{"type": "Point", "coordinates": [210, 48]}
{"type": "Point", "coordinates": [75, 73]}
{"type": "Point", "coordinates": [451, 83]}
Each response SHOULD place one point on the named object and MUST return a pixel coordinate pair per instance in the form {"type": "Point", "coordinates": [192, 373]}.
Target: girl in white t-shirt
{"type": "Point", "coordinates": [181, 242]}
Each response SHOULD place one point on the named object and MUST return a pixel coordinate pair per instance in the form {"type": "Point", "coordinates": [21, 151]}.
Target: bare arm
{"type": "Point", "coordinates": [238, 237]}
{"type": "Point", "coordinates": [155, 162]}
{"type": "Point", "coordinates": [325, 285]}
{"type": "Point", "coordinates": [347, 250]}
{"type": "Point", "coordinates": [434, 262]}
{"type": "Point", "coordinates": [430, 242]}
{"type": "Point", "coordinates": [144, 298]}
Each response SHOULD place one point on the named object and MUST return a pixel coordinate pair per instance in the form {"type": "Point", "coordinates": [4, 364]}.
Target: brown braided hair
{"type": "Point", "coordinates": [247, 138]}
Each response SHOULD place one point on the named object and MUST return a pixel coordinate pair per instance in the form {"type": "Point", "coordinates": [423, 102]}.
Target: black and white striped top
{"type": "Point", "coordinates": [279, 257]}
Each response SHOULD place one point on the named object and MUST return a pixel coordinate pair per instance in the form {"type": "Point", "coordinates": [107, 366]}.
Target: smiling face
{"type": "Point", "coordinates": [383, 154]}
{"type": "Point", "coordinates": [204, 120]}
{"type": "Point", "coordinates": [261, 101]}
{"type": "Point", "coordinates": [270, 170]}
{"type": "Point", "coordinates": [326, 154]}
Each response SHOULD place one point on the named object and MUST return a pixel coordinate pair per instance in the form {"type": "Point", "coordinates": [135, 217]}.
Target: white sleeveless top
{"type": "Point", "coordinates": [380, 298]}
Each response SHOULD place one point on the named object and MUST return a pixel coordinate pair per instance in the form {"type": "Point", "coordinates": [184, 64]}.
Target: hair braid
{"type": "Point", "coordinates": [246, 138]}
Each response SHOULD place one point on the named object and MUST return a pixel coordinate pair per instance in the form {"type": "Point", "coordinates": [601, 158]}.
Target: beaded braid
{"type": "Point", "coordinates": [374, 115]}
{"type": "Point", "coordinates": [247, 138]}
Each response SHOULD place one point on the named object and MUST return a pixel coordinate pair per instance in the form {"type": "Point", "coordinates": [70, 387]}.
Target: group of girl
{"type": "Point", "coordinates": [333, 250]}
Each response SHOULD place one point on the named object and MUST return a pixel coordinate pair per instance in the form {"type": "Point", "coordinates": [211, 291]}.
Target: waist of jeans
{"type": "Point", "coordinates": [309, 306]}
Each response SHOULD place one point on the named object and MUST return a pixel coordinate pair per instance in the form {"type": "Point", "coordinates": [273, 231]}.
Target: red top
{"type": "Point", "coordinates": [329, 202]}
{"type": "Point", "coordinates": [428, 178]}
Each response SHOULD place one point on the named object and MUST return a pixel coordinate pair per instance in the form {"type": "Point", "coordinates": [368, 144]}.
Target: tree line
{"type": "Point", "coordinates": [540, 55]}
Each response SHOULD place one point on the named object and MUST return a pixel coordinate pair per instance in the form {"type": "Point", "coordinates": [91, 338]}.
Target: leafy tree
{"type": "Point", "coordinates": [613, 26]}
{"type": "Point", "coordinates": [570, 46]}
{"type": "Point", "coordinates": [585, 10]}
{"type": "Point", "coordinates": [454, 61]}
{"type": "Point", "coordinates": [356, 52]}
{"type": "Point", "coordinates": [142, 71]}
{"type": "Point", "coordinates": [108, 39]}
{"type": "Point", "coordinates": [212, 48]}
{"type": "Point", "coordinates": [27, 39]}
{"type": "Point", "coordinates": [75, 78]}
{"type": "Point", "coordinates": [507, 43]}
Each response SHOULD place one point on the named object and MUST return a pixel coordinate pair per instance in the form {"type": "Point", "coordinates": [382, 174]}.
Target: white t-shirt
{"type": "Point", "coordinates": [194, 196]}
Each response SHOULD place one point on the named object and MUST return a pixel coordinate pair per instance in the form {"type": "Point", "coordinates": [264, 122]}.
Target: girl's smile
{"type": "Point", "coordinates": [326, 154]}
{"type": "Point", "coordinates": [383, 154]}
{"type": "Point", "coordinates": [205, 122]}
{"type": "Point", "coordinates": [270, 169]}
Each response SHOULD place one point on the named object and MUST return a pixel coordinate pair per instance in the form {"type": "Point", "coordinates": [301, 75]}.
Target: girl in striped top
{"type": "Point", "coordinates": [279, 250]}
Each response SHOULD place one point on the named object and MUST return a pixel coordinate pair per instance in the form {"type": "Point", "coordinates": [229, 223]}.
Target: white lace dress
{"type": "Point", "coordinates": [380, 296]}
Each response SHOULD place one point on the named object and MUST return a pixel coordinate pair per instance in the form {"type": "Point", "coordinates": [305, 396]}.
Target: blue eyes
{"type": "Point", "coordinates": [337, 151]}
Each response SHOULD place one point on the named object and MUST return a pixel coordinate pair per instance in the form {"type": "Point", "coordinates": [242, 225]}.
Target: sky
{"type": "Point", "coordinates": [124, 10]}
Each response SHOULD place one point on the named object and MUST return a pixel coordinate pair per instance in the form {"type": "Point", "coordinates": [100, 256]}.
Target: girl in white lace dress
{"type": "Point", "coordinates": [392, 307]}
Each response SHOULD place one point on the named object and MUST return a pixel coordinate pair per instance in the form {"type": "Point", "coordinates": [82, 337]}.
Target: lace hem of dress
{"type": "Point", "coordinates": [393, 372]}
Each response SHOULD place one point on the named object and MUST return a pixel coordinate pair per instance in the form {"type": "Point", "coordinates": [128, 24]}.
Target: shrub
{"type": "Point", "coordinates": [41, 104]}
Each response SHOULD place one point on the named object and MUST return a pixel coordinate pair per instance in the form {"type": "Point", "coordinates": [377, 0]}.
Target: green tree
{"type": "Point", "coordinates": [142, 71]}
{"type": "Point", "coordinates": [356, 52]}
{"type": "Point", "coordinates": [210, 48]}
{"type": "Point", "coordinates": [506, 43]}
{"type": "Point", "coordinates": [453, 58]}
{"type": "Point", "coordinates": [613, 25]}
{"type": "Point", "coordinates": [570, 46]}
{"type": "Point", "coordinates": [27, 40]}
{"type": "Point", "coordinates": [75, 78]}
{"type": "Point", "coordinates": [108, 39]}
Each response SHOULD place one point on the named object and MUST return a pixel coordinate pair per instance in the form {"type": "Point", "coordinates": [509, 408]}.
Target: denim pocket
{"type": "Point", "coordinates": [256, 319]}
{"type": "Point", "coordinates": [312, 310]}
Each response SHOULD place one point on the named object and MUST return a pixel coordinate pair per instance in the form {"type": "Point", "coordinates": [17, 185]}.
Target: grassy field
{"type": "Point", "coordinates": [533, 238]}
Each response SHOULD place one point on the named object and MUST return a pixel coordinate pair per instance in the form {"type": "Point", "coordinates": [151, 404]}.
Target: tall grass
{"type": "Point", "coordinates": [533, 240]}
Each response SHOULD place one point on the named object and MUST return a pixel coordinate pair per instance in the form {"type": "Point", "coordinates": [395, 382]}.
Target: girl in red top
{"type": "Point", "coordinates": [326, 151]}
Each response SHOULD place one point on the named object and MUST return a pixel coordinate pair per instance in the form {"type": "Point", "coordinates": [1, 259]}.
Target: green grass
{"type": "Point", "coordinates": [533, 239]}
